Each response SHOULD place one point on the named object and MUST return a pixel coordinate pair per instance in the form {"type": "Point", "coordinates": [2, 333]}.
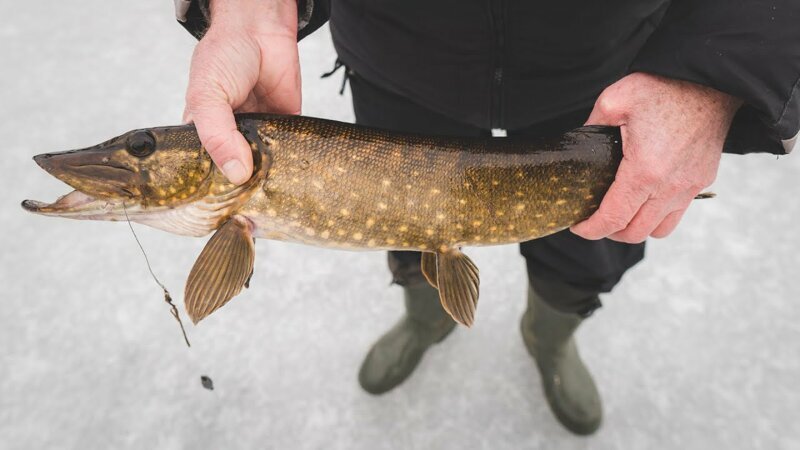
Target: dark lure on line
{"type": "Point", "coordinates": [338, 185]}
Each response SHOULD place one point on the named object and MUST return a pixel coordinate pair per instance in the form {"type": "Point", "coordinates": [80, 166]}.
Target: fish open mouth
{"type": "Point", "coordinates": [76, 203]}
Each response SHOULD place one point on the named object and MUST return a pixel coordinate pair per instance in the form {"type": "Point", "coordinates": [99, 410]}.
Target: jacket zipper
{"type": "Point", "coordinates": [496, 111]}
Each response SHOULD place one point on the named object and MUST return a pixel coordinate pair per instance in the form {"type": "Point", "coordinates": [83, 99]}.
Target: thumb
{"type": "Point", "coordinates": [609, 109]}
{"type": "Point", "coordinates": [230, 151]}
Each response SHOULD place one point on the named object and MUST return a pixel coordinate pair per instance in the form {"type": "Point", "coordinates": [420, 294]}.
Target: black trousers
{"type": "Point", "coordinates": [589, 266]}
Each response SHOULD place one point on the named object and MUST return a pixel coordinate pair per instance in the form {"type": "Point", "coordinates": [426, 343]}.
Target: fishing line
{"type": "Point", "coordinates": [167, 297]}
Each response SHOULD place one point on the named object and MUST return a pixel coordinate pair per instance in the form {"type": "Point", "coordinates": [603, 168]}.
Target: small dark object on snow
{"type": "Point", "coordinates": [207, 382]}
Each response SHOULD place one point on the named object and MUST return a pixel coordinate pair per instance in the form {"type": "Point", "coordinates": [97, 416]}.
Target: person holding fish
{"type": "Point", "coordinates": [684, 80]}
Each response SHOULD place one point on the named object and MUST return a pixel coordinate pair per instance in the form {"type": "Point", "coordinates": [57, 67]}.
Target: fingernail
{"type": "Point", "coordinates": [235, 172]}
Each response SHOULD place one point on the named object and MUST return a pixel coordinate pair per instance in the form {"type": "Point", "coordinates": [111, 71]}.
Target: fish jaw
{"type": "Point", "coordinates": [78, 205]}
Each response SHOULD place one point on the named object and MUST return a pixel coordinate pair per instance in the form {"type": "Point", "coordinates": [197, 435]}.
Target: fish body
{"type": "Point", "coordinates": [339, 185]}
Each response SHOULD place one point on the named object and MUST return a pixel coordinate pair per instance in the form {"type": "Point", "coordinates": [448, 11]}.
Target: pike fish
{"type": "Point", "coordinates": [343, 186]}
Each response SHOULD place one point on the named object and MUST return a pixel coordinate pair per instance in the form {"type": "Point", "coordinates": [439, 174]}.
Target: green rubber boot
{"type": "Point", "coordinates": [568, 385]}
{"type": "Point", "coordinates": [397, 353]}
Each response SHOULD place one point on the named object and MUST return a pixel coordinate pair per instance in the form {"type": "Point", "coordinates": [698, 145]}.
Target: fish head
{"type": "Point", "coordinates": [141, 175]}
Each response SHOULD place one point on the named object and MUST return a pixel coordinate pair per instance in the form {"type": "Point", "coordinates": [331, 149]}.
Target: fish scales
{"type": "Point", "coordinates": [337, 185]}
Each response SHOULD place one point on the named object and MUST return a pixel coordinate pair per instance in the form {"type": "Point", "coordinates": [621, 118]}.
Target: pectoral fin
{"type": "Point", "coordinates": [428, 266]}
{"type": "Point", "coordinates": [458, 282]}
{"type": "Point", "coordinates": [222, 269]}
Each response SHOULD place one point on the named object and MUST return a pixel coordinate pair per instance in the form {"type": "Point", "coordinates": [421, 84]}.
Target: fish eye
{"type": "Point", "coordinates": [141, 144]}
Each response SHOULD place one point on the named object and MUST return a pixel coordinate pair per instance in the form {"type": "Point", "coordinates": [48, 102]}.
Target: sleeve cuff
{"type": "Point", "coordinates": [194, 16]}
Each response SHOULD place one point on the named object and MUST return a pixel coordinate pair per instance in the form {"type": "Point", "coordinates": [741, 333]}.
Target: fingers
{"type": "Point", "coordinates": [668, 225]}
{"type": "Point", "coordinates": [650, 215]}
{"type": "Point", "coordinates": [216, 128]}
{"type": "Point", "coordinates": [620, 204]}
{"type": "Point", "coordinates": [654, 218]}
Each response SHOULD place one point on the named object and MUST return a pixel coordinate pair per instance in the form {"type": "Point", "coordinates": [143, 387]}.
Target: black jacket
{"type": "Point", "coordinates": [511, 63]}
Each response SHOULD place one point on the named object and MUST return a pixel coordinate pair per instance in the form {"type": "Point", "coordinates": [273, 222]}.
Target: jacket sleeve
{"type": "Point", "coordinates": [746, 48]}
{"type": "Point", "coordinates": [194, 16]}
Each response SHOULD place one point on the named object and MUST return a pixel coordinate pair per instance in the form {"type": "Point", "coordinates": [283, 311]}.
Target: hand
{"type": "Point", "coordinates": [672, 137]}
{"type": "Point", "coordinates": [247, 61]}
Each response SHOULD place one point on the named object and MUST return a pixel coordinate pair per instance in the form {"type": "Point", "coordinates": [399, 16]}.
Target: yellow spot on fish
{"type": "Point", "coordinates": [386, 182]}
{"type": "Point", "coordinates": [370, 223]}
{"type": "Point", "coordinates": [405, 244]}
{"type": "Point", "coordinates": [390, 241]}
{"type": "Point", "coordinates": [494, 239]}
{"type": "Point", "coordinates": [162, 193]}
{"type": "Point", "coordinates": [382, 205]}
{"type": "Point", "coordinates": [435, 191]}
{"type": "Point", "coordinates": [495, 182]}
{"type": "Point", "coordinates": [499, 213]}
{"type": "Point", "coordinates": [462, 201]}
{"type": "Point", "coordinates": [551, 224]}
{"type": "Point", "coordinates": [340, 169]}
{"type": "Point", "coordinates": [440, 216]}
{"type": "Point", "coordinates": [554, 179]}
{"type": "Point", "coordinates": [162, 202]}
{"type": "Point", "coordinates": [317, 184]}
{"type": "Point", "coordinates": [564, 189]}
{"type": "Point", "coordinates": [408, 186]}
{"type": "Point", "coordinates": [477, 238]}
{"type": "Point", "coordinates": [520, 206]}
{"type": "Point", "coordinates": [310, 231]}
{"type": "Point", "coordinates": [341, 232]}
{"type": "Point", "coordinates": [476, 223]}
{"type": "Point", "coordinates": [371, 243]}
{"type": "Point", "coordinates": [331, 222]}
{"type": "Point", "coordinates": [589, 197]}
{"type": "Point", "coordinates": [344, 212]}
{"type": "Point", "coordinates": [560, 201]}
{"type": "Point", "coordinates": [538, 215]}
{"type": "Point", "coordinates": [459, 226]}
{"type": "Point", "coordinates": [493, 228]}
{"type": "Point", "coordinates": [192, 189]}
{"type": "Point", "coordinates": [403, 228]}
{"type": "Point", "coordinates": [272, 213]}
{"type": "Point", "coordinates": [325, 234]}
{"type": "Point", "coordinates": [510, 226]}
{"type": "Point", "coordinates": [358, 236]}
{"type": "Point", "coordinates": [519, 194]}
{"type": "Point", "coordinates": [422, 246]}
